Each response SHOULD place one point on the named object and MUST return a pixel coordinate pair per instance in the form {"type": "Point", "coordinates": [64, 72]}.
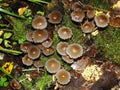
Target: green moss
{"type": "Point", "coordinates": [109, 42]}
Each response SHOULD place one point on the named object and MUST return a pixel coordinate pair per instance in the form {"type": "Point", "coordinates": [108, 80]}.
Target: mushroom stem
{"type": "Point", "coordinates": [31, 69]}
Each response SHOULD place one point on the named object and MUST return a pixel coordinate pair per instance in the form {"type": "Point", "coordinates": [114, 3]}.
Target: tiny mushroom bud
{"type": "Point", "coordinates": [65, 33]}
{"type": "Point", "coordinates": [52, 65]}
{"type": "Point", "coordinates": [88, 27]}
{"type": "Point", "coordinates": [61, 48]}
{"type": "Point", "coordinates": [63, 76]}
{"type": "Point", "coordinates": [39, 22]}
{"type": "Point", "coordinates": [15, 84]}
{"type": "Point", "coordinates": [40, 35]}
{"type": "Point", "coordinates": [67, 59]}
{"type": "Point", "coordinates": [74, 50]}
{"type": "Point", "coordinates": [29, 36]}
{"type": "Point", "coordinates": [101, 20]}
{"type": "Point", "coordinates": [24, 46]}
{"type": "Point", "coordinates": [77, 15]}
{"type": "Point", "coordinates": [33, 52]}
{"type": "Point", "coordinates": [48, 51]}
{"type": "Point", "coordinates": [27, 61]}
{"type": "Point", "coordinates": [55, 17]}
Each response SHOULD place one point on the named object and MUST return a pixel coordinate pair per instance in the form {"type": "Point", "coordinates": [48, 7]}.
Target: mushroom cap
{"type": "Point", "coordinates": [27, 61]}
{"type": "Point", "coordinates": [24, 46]}
{"type": "Point", "coordinates": [67, 59]}
{"type": "Point", "coordinates": [39, 22]}
{"type": "Point", "coordinates": [74, 50]}
{"type": "Point", "coordinates": [101, 20]}
{"type": "Point", "coordinates": [88, 27]}
{"type": "Point", "coordinates": [63, 76]}
{"type": "Point", "coordinates": [15, 84]}
{"type": "Point", "coordinates": [77, 15]}
{"type": "Point", "coordinates": [55, 17]}
{"type": "Point", "coordinates": [38, 64]}
{"type": "Point", "coordinates": [65, 33]}
{"type": "Point", "coordinates": [29, 36]}
{"type": "Point", "coordinates": [61, 48]}
{"type": "Point", "coordinates": [52, 65]}
{"type": "Point", "coordinates": [48, 51]}
{"type": "Point", "coordinates": [33, 52]}
{"type": "Point", "coordinates": [40, 35]}
{"type": "Point", "coordinates": [75, 6]}
{"type": "Point", "coordinates": [47, 43]}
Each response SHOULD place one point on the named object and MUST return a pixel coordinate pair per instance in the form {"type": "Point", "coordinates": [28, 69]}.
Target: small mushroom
{"type": "Point", "coordinates": [61, 48]}
{"type": "Point", "coordinates": [52, 65]}
{"type": "Point", "coordinates": [63, 76]}
{"type": "Point", "coordinates": [77, 15]}
{"type": "Point", "coordinates": [24, 46]}
{"type": "Point", "coordinates": [40, 35]}
{"type": "Point", "coordinates": [39, 22]}
{"type": "Point", "coordinates": [27, 61]}
{"type": "Point", "coordinates": [47, 43]}
{"type": "Point", "coordinates": [48, 51]}
{"type": "Point", "coordinates": [55, 17]}
{"type": "Point", "coordinates": [65, 33]}
{"type": "Point", "coordinates": [75, 6]}
{"type": "Point", "coordinates": [15, 84]}
{"type": "Point", "coordinates": [101, 20]}
{"type": "Point", "coordinates": [74, 50]}
{"type": "Point", "coordinates": [67, 59]}
{"type": "Point", "coordinates": [33, 52]}
{"type": "Point", "coordinates": [29, 36]}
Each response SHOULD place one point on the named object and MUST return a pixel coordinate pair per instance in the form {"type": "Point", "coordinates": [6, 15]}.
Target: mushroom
{"type": "Point", "coordinates": [75, 6]}
{"type": "Point", "coordinates": [74, 50]}
{"type": "Point", "coordinates": [24, 46]}
{"type": "Point", "coordinates": [52, 65]}
{"type": "Point", "coordinates": [77, 15]}
{"type": "Point", "coordinates": [67, 59]}
{"type": "Point", "coordinates": [39, 22]}
{"type": "Point", "coordinates": [47, 43]}
{"type": "Point", "coordinates": [101, 20]}
{"type": "Point", "coordinates": [40, 35]}
{"type": "Point", "coordinates": [29, 36]}
{"type": "Point", "coordinates": [38, 64]}
{"type": "Point", "coordinates": [33, 52]}
{"type": "Point", "coordinates": [55, 17]}
{"type": "Point", "coordinates": [61, 48]}
{"type": "Point", "coordinates": [27, 61]}
{"type": "Point", "coordinates": [48, 51]}
{"type": "Point", "coordinates": [88, 27]}
{"type": "Point", "coordinates": [65, 33]}
{"type": "Point", "coordinates": [15, 84]}
{"type": "Point", "coordinates": [63, 76]}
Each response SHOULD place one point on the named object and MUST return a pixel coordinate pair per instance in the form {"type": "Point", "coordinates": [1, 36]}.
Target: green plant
{"type": "Point", "coordinates": [3, 82]}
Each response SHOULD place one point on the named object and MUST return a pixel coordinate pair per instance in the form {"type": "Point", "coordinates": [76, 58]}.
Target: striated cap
{"type": "Point", "coordinates": [74, 50]}
{"type": "Point", "coordinates": [39, 22]}
{"type": "Point", "coordinates": [52, 65]}
{"type": "Point", "coordinates": [29, 36]}
{"type": "Point", "coordinates": [77, 15]}
{"type": "Point", "coordinates": [33, 52]}
{"type": "Point", "coordinates": [61, 48]}
{"type": "Point", "coordinates": [55, 17]}
{"type": "Point", "coordinates": [15, 84]}
{"type": "Point", "coordinates": [47, 43]}
{"type": "Point", "coordinates": [63, 76]}
{"type": "Point", "coordinates": [40, 35]}
{"type": "Point", "coordinates": [24, 46]}
{"type": "Point", "coordinates": [67, 59]}
{"type": "Point", "coordinates": [38, 64]}
{"type": "Point", "coordinates": [65, 33]}
{"type": "Point", "coordinates": [48, 51]}
{"type": "Point", "coordinates": [101, 20]}
{"type": "Point", "coordinates": [27, 61]}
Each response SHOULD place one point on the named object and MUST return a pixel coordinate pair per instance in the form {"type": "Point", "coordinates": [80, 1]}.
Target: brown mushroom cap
{"type": "Point", "coordinates": [40, 35]}
{"type": "Point", "coordinates": [24, 46]}
{"type": "Point", "coordinates": [77, 15]}
{"type": "Point", "coordinates": [48, 43]}
{"type": "Point", "coordinates": [67, 59]}
{"type": "Point", "coordinates": [29, 36]}
{"type": "Point", "coordinates": [61, 48]}
{"type": "Point", "coordinates": [39, 22]}
{"type": "Point", "coordinates": [15, 84]}
{"type": "Point", "coordinates": [75, 6]}
{"type": "Point", "coordinates": [63, 76]}
{"type": "Point", "coordinates": [55, 17]}
{"type": "Point", "coordinates": [101, 20]}
{"type": "Point", "coordinates": [48, 51]}
{"type": "Point", "coordinates": [27, 61]}
{"type": "Point", "coordinates": [88, 27]}
{"type": "Point", "coordinates": [74, 50]}
{"type": "Point", "coordinates": [65, 33]}
{"type": "Point", "coordinates": [38, 64]}
{"type": "Point", "coordinates": [33, 52]}
{"type": "Point", "coordinates": [52, 65]}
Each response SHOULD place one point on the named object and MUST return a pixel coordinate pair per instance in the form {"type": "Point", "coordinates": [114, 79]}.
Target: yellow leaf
{"type": "Point", "coordinates": [116, 5]}
{"type": "Point", "coordinates": [22, 10]}
{"type": "Point", "coordinates": [8, 66]}
{"type": "Point", "coordinates": [1, 32]}
{"type": "Point", "coordinates": [98, 12]}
